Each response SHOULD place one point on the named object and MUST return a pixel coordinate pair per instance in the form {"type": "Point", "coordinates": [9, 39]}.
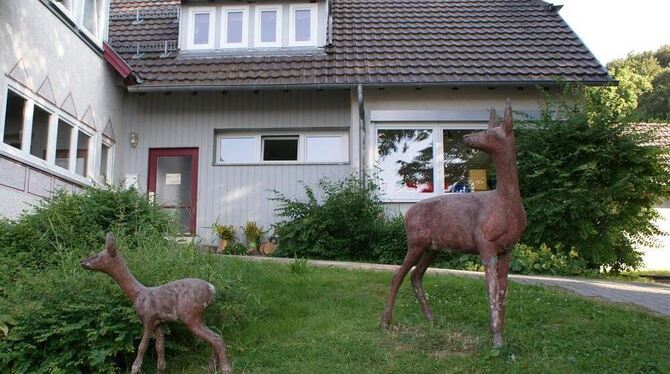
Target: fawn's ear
{"type": "Point", "coordinates": [493, 117]}
{"type": "Point", "coordinates": [508, 121]}
{"type": "Point", "coordinates": [110, 244]}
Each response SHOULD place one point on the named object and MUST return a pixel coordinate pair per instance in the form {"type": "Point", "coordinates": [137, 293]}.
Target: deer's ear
{"type": "Point", "coordinates": [110, 244]}
{"type": "Point", "coordinates": [492, 118]}
{"type": "Point", "coordinates": [508, 121]}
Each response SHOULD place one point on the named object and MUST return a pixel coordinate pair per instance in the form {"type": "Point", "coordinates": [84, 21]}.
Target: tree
{"type": "Point", "coordinates": [655, 104]}
{"type": "Point", "coordinates": [663, 56]}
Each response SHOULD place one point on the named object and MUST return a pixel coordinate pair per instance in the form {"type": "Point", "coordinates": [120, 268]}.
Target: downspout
{"type": "Point", "coordinates": [329, 28]}
{"type": "Point", "coordinates": [361, 132]}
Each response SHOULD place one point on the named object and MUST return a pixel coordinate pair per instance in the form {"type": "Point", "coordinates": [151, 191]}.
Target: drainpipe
{"type": "Point", "coordinates": [361, 132]}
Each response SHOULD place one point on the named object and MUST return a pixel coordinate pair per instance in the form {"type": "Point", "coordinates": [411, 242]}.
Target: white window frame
{"type": "Point", "coordinates": [55, 113]}
{"type": "Point", "coordinates": [302, 146]}
{"type": "Point", "coordinates": [299, 156]}
{"type": "Point", "coordinates": [190, 34]}
{"type": "Point", "coordinates": [257, 25]}
{"type": "Point", "coordinates": [76, 14]}
{"type": "Point", "coordinates": [110, 156]}
{"type": "Point", "coordinates": [245, 26]}
{"type": "Point", "coordinates": [314, 20]}
{"type": "Point", "coordinates": [438, 154]}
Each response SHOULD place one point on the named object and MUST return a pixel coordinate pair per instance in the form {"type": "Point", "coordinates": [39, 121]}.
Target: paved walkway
{"type": "Point", "coordinates": [651, 296]}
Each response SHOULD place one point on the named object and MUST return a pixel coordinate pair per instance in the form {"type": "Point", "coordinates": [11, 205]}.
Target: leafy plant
{"type": "Point", "coordinates": [253, 234]}
{"type": "Point", "coordinates": [5, 322]}
{"type": "Point", "coordinates": [299, 266]}
{"type": "Point", "coordinates": [225, 232]}
{"type": "Point", "coordinates": [236, 249]}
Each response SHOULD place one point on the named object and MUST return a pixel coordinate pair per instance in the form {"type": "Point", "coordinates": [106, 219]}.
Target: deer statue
{"type": "Point", "coordinates": [486, 223]}
{"type": "Point", "coordinates": [183, 300]}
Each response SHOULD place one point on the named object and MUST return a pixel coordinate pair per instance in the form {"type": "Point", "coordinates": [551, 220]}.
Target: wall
{"type": "Point", "coordinates": [232, 194]}
{"type": "Point", "coordinates": [37, 47]}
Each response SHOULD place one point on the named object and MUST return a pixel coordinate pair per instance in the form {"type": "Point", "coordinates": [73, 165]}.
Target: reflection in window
{"type": "Point", "coordinates": [92, 11]}
{"type": "Point", "coordinates": [63, 137]}
{"type": "Point", "coordinates": [237, 150]}
{"type": "Point", "coordinates": [465, 169]}
{"type": "Point", "coordinates": [324, 148]}
{"type": "Point", "coordinates": [280, 148]}
{"type": "Point", "coordinates": [405, 161]}
{"type": "Point", "coordinates": [40, 133]}
{"type": "Point", "coordinates": [81, 164]}
{"type": "Point", "coordinates": [13, 132]}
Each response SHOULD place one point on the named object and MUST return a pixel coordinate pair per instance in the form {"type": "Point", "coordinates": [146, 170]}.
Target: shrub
{"type": "Point", "coordinates": [237, 249]}
{"type": "Point", "coordinates": [253, 234]}
{"type": "Point", "coordinates": [589, 184]}
{"type": "Point", "coordinates": [225, 232]}
{"type": "Point", "coordinates": [544, 260]}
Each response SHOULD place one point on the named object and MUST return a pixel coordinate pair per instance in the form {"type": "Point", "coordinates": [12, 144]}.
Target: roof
{"type": "Point", "coordinates": [660, 132]}
{"type": "Point", "coordinates": [375, 42]}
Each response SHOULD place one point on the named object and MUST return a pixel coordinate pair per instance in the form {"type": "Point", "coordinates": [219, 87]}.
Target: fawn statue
{"type": "Point", "coordinates": [486, 223]}
{"type": "Point", "coordinates": [183, 300]}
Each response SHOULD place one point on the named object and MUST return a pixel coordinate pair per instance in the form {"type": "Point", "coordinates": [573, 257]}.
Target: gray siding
{"type": "Point", "coordinates": [232, 194]}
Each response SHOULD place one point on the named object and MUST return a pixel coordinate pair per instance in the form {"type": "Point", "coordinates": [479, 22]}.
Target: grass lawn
{"type": "Point", "coordinates": [326, 321]}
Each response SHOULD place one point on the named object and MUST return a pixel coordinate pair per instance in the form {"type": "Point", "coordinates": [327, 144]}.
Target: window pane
{"type": "Point", "coordinates": [237, 150]}
{"type": "Point", "coordinates": [303, 27]}
{"type": "Point", "coordinates": [63, 144]}
{"type": "Point", "coordinates": [324, 149]}
{"type": "Point", "coordinates": [40, 134]}
{"type": "Point", "coordinates": [465, 169]}
{"type": "Point", "coordinates": [280, 149]}
{"type": "Point", "coordinates": [13, 133]}
{"type": "Point", "coordinates": [91, 15]}
{"type": "Point", "coordinates": [104, 159]}
{"type": "Point", "coordinates": [405, 161]}
{"type": "Point", "coordinates": [234, 27]}
{"type": "Point", "coordinates": [268, 26]}
{"type": "Point", "coordinates": [82, 153]}
{"type": "Point", "coordinates": [201, 29]}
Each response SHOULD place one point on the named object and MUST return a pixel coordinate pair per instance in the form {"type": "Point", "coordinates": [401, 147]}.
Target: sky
{"type": "Point", "coordinates": [613, 28]}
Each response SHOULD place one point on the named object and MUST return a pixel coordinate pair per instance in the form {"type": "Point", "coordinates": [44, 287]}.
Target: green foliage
{"type": "Point", "coordinates": [344, 224]}
{"type": "Point", "coordinates": [236, 249]}
{"type": "Point", "coordinates": [225, 232]}
{"type": "Point", "coordinates": [71, 320]}
{"type": "Point", "coordinates": [299, 267]}
{"type": "Point", "coordinates": [655, 104]}
{"type": "Point", "coordinates": [253, 233]}
{"type": "Point", "coordinates": [588, 183]}
{"type": "Point", "coordinates": [544, 260]}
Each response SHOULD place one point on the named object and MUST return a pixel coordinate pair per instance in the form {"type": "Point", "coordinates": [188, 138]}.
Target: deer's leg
{"type": "Point", "coordinates": [160, 349]}
{"type": "Point", "coordinates": [411, 257]}
{"type": "Point", "coordinates": [203, 332]}
{"type": "Point", "coordinates": [142, 348]}
{"type": "Point", "coordinates": [503, 270]}
{"type": "Point", "coordinates": [492, 287]}
{"type": "Point", "coordinates": [417, 281]}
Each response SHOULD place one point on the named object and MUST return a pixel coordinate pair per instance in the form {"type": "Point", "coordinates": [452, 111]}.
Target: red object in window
{"type": "Point", "coordinates": [428, 188]}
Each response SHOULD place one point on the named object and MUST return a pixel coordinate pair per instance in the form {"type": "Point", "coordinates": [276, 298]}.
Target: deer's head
{"type": "Point", "coordinates": [106, 259]}
{"type": "Point", "coordinates": [498, 138]}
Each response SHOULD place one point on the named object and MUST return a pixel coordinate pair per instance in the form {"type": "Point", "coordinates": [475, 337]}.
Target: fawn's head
{"type": "Point", "coordinates": [106, 259]}
{"type": "Point", "coordinates": [498, 138]}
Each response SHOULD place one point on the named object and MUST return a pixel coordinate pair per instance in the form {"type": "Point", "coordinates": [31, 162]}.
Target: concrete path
{"type": "Point", "coordinates": [651, 296]}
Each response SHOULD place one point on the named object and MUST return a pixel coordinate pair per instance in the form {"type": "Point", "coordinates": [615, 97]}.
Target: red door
{"type": "Point", "coordinates": [173, 183]}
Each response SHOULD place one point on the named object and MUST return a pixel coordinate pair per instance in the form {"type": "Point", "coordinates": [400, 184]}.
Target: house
{"type": "Point", "coordinates": [208, 105]}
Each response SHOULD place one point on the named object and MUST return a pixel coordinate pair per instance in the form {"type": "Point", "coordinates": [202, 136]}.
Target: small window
{"type": "Point", "coordinates": [63, 138]}
{"type": "Point", "coordinates": [302, 25]}
{"type": "Point", "coordinates": [280, 148]}
{"type": "Point", "coordinates": [92, 17]}
{"type": "Point", "coordinates": [104, 162]}
{"type": "Point", "coordinates": [235, 27]}
{"type": "Point", "coordinates": [235, 150]}
{"type": "Point", "coordinates": [201, 35]}
{"type": "Point", "coordinates": [13, 133]}
{"type": "Point", "coordinates": [268, 26]}
{"type": "Point", "coordinates": [40, 133]}
{"type": "Point", "coordinates": [83, 145]}
{"type": "Point", "coordinates": [324, 148]}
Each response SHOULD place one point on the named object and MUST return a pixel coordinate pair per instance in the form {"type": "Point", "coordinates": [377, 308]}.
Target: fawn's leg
{"type": "Point", "coordinates": [203, 332]}
{"type": "Point", "coordinates": [411, 257]}
{"type": "Point", "coordinates": [160, 349]}
{"type": "Point", "coordinates": [503, 271]}
{"type": "Point", "coordinates": [417, 284]}
{"type": "Point", "coordinates": [142, 348]}
{"type": "Point", "coordinates": [491, 270]}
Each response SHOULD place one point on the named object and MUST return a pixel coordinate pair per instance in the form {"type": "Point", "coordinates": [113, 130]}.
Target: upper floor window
{"type": "Point", "coordinates": [235, 27]}
{"type": "Point", "coordinates": [88, 15]}
{"type": "Point", "coordinates": [268, 26]}
{"type": "Point", "coordinates": [302, 25]}
{"type": "Point", "coordinates": [202, 28]}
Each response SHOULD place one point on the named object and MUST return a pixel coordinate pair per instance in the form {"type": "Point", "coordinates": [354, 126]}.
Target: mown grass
{"type": "Point", "coordinates": [326, 321]}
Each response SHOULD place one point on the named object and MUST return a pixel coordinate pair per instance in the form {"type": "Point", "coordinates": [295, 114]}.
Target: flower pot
{"type": "Point", "coordinates": [222, 245]}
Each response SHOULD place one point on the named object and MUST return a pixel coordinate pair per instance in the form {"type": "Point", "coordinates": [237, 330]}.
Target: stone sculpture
{"type": "Point", "coordinates": [486, 223]}
{"type": "Point", "coordinates": [183, 300]}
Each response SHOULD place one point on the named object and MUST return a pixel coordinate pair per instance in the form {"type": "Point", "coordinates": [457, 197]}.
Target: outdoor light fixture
{"type": "Point", "coordinates": [134, 139]}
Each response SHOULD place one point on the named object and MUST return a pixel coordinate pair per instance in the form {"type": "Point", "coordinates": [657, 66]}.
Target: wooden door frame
{"type": "Point", "coordinates": [154, 153]}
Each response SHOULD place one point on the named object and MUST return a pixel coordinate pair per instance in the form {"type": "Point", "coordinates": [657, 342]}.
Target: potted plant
{"type": "Point", "coordinates": [226, 234]}
{"type": "Point", "coordinates": [253, 234]}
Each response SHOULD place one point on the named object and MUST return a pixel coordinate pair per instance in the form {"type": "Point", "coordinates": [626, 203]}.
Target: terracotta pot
{"type": "Point", "coordinates": [267, 248]}
{"type": "Point", "coordinates": [222, 245]}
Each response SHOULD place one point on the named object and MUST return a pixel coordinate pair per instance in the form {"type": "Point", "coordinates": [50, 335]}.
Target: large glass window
{"type": "Point", "coordinates": [40, 133]}
{"type": "Point", "coordinates": [465, 169]}
{"type": "Point", "coordinates": [235, 27]}
{"type": "Point", "coordinates": [405, 161]}
{"type": "Point", "coordinates": [13, 133]}
{"type": "Point", "coordinates": [234, 150]}
{"type": "Point", "coordinates": [83, 143]}
{"type": "Point", "coordinates": [63, 138]}
{"type": "Point", "coordinates": [280, 148]}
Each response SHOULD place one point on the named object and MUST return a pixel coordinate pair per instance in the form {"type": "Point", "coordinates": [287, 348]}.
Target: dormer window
{"type": "Point", "coordinates": [268, 26]}
{"type": "Point", "coordinates": [88, 15]}
{"type": "Point", "coordinates": [302, 25]}
{"type": "Point", "coordinates": [201, 35]}
{"type": "Point", "coordinates": [235, 27]}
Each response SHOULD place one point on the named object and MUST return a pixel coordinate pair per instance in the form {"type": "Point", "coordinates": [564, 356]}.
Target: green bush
{"type": "Point", "coordinates": [68, 319]}
{"type": "Point", "coordinates": [544, 260]}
